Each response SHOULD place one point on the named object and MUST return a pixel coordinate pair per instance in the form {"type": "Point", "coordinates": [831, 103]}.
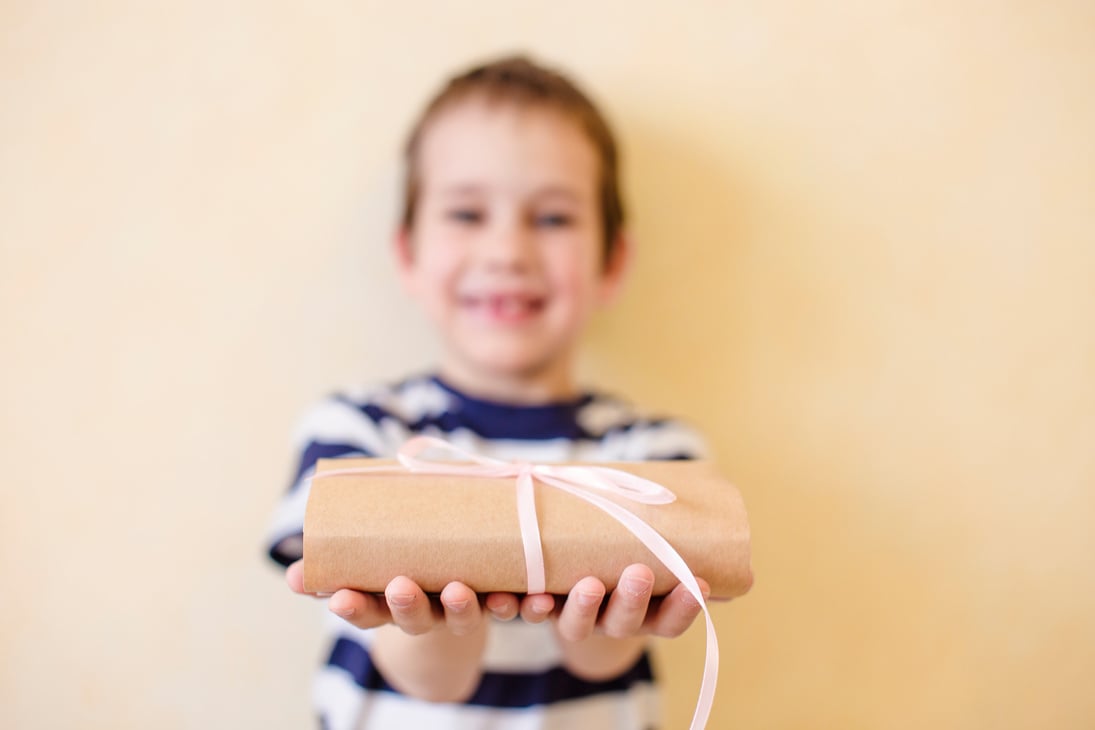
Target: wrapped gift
{"type": "Point", "coordinates": [369, 520]}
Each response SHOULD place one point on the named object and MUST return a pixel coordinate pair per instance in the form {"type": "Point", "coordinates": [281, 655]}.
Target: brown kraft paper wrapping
{"type": "Point", "coordinates": [362, 530]}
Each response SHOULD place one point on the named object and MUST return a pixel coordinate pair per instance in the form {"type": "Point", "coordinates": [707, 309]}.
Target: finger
{"type": "Point", "coordinates": [363, 610]}
{"type": "Point", "coordinates": [537, 607]}
{"type": "Point", "coordinates": [461, 607]}
{"type": "Point", "coordinates": [409, 605]}
{"type": "Point", "coordinates": [503, 606]}
{"type": "Point", "coordinates": [579, 615]}
{"type": "Point", "coordinates": [294, 576]}
{"type": "Point", "coordinates": [627, 606]}
{"type": "Point", "coordinates": [677, 611]}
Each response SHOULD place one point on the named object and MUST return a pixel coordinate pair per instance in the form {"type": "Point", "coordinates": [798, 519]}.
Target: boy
{"type": "Point", "coordinates": [511, 238]}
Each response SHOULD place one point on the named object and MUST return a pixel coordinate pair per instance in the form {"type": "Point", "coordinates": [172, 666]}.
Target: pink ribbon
{"type": "Point", "coordinates": [580, 481]}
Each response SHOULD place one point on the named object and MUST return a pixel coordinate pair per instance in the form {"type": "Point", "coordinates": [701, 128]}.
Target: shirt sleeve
{"type": "Point", "coordinates": [665, 440]}
{"type": "Point", "coordinates": [336, 427]}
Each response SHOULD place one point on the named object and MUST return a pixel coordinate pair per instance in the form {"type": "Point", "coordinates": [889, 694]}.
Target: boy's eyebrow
{"type": "Point", "coordinates": [557, 191]}
{"type": "Point", "coordinates": [548, 191]}
{"type": "Point", "coordinates": [461, 189]}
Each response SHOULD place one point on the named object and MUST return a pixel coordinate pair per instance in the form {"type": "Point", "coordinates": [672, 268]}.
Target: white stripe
{"type": "Point", "coordinates": [339, 699]}
{"type": "Point", "coordinates": [422, 398]}
{"type": "Point", "coordinates": [516, 646]}
{"type": "Point", "coordinates": [289, 514]}
{"type": "Point", "coordinates": [665, 439]}
{"type": "Point", "coordinates": [348, 707]}
{"type": "Point", "coordinates": [339, 423]}
{"type": "Point", "coordinates": [412, 400]}
{"type": "Point", "coordinates": [604, 414]}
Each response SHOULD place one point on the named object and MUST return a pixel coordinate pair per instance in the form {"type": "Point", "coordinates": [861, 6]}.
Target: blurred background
{"type": "Point", "coordinates": [866, 268]}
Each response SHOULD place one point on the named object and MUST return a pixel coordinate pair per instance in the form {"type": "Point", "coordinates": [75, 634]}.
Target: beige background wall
{"type": "Point", "coordinates": [867, 264]}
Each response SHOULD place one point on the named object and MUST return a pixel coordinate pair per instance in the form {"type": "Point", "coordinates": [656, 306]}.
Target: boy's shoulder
{"type": "Point", "coordinates": [603, 411]}
{"type": "Point", "coordinates": [365, 409]}
{"type": "Point", "coordinates": [393, 410]}
{"type": "Point", "coordinates": [633, 433]}
{"type": "Point", "coordinates": [407, 399]}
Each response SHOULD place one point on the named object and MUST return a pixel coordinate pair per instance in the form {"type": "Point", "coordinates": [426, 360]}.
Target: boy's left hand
{"type": "Point", "coordinates": [630, 610]}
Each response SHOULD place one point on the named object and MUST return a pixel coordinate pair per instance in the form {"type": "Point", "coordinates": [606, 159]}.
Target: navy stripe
{"type": "Point", "coordinates": [641, 423]}
{"type": "Point", "coordinates": [489, 420]}
{"type": "Point", "coordinates": [497, 689]}
{"type": "Point", "coordinates": [370, 410]}
{"type": "Point", "coordinates": [317, 450]}
{"type": "Point", "coordinates": [494, 420]}
{"type": "Point", "coordinates": [679, 456]}
{"type": "Point", "coordinates": [280, 555]}
{"type": "Point", "coordinates": [516, 426]}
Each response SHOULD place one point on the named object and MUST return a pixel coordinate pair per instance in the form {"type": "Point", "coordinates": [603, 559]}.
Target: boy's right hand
{"type": "Point", "coordinates": [407, 606]}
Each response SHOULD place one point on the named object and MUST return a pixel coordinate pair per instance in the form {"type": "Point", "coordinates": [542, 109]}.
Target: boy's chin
{"type": "Point", "coordinates": [497, 365]}
{"type": "Point", "coordinates": [517, 368]}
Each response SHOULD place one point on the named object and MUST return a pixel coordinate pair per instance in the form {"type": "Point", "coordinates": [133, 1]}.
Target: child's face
{"type": "Point", "coordinates": [506, 250]}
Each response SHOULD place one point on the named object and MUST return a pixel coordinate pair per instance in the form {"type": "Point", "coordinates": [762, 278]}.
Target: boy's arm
{"type": "Point", "coordinates": [424, 651]}
{"type": "Point", "coordinates": [605, 647]}
{"type": "Point", "coordinates": [429, 651]}
{"type": "Point", "coordinates": [435, 651]}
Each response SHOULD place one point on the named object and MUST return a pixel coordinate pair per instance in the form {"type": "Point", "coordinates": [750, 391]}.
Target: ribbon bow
{"type": "Point", "coordinates": [583, 482]}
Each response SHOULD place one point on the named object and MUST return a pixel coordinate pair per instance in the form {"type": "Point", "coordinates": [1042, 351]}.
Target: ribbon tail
{"type": "Point", "coordinates": [530, 533]}
{"type": "Point", "coordinates": [673, 561]}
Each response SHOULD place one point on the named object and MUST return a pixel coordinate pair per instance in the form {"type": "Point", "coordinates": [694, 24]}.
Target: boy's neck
{"type": "Point", "coordinates": [527, 389]}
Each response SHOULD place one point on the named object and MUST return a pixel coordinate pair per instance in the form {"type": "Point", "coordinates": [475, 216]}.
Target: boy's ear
{"type": "Point", "coordinates": [617, 267]}
{"type": "Point", "coordinates": [402, 247]}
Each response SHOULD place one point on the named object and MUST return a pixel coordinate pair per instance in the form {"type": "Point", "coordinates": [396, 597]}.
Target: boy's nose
{"type": "Point", "coordinates": [507, 245]}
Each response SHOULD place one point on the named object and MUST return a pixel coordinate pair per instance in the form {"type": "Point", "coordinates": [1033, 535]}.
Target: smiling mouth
{"type": "Point", "coordinates": [504, 308]}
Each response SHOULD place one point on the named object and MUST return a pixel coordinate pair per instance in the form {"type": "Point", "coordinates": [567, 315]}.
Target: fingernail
{"type": "Point", "coordinates": [402, 600]}
{"type": "Point", "coordinates": [324, 595]}
{"type": "Point", "coordinates": [587, 600]}
{"type": "Point", "coordinates": [637, 586]}
{"type": "Point", "coordinates": [343, 612]}
{"type": "Point", "coordinates": [457, 605]}
{"type": "Point", "coordinates": [494, 607]}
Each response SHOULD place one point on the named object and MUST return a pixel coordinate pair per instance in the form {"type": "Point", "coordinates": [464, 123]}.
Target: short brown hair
{"type": "Point", "coordinates": [519, 81]}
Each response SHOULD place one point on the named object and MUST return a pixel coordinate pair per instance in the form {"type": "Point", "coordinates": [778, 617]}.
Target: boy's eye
{"type": "Point", "coordinates": [553, 220]}
{"type": "Point", "coordinates": [464, 215]}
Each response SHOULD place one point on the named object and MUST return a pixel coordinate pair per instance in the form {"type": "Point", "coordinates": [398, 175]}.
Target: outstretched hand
{"type": "Point", "coordinates": [407, 606]}
{"type": "Point", "coordinates": [629, 611]}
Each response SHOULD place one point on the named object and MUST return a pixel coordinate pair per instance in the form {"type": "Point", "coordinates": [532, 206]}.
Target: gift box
{"type": "Point", "coordinates": [363, 529]}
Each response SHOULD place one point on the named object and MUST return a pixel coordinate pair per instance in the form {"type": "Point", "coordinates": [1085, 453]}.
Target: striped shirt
{"type": "Point", "coordinates": [524, 685]}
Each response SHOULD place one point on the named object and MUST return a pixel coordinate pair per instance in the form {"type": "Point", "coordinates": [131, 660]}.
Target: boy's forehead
{"type": "Point", "coordinates": [475, 144]}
